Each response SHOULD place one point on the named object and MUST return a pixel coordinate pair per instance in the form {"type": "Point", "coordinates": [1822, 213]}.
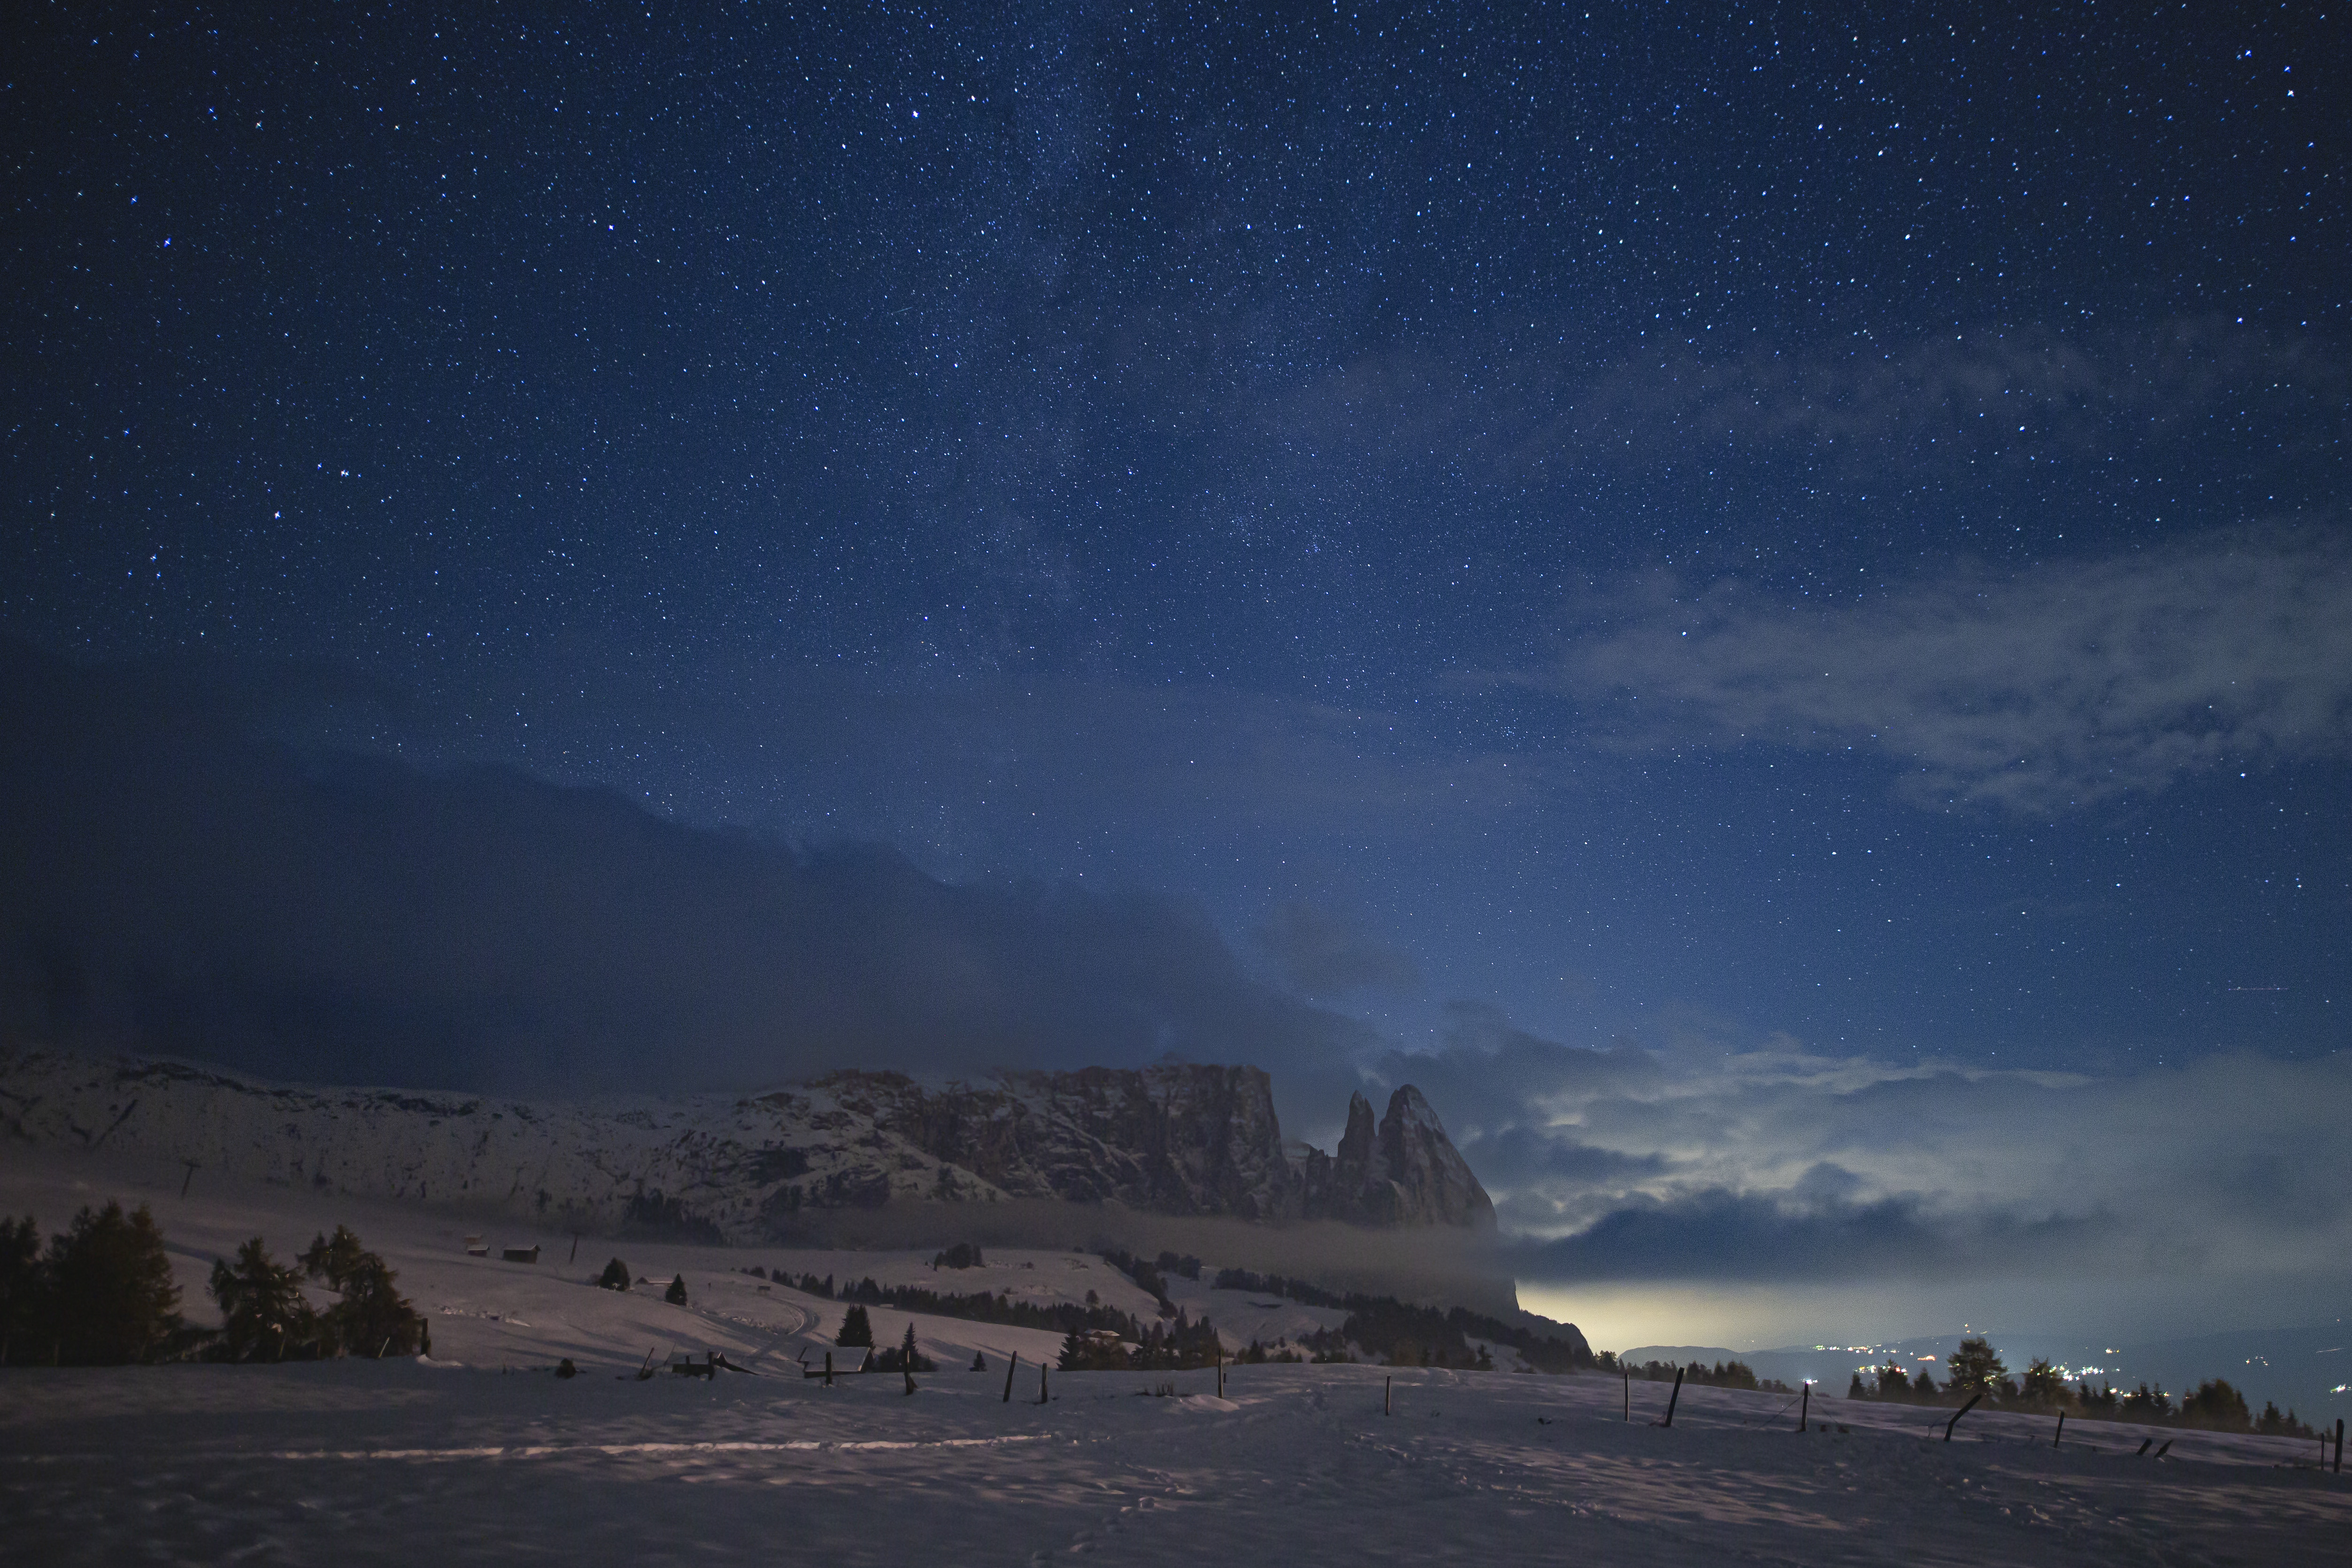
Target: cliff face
{"type": "Point", "coordinates": [1176, 1140]}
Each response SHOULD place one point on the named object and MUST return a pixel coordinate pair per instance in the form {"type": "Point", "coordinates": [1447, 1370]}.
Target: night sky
{"type": "Point", "coordinates": [1760, 602]}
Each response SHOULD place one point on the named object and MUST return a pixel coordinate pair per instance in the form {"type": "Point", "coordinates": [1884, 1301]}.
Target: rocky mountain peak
{"type": "Point", "coordinates": [1423, 1162]}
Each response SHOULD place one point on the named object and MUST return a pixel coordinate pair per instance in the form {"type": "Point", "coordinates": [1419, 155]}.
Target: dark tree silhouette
{"type": "Point", "coordinates": [264, 1313]}
{"type": "Point", "coordinates": [110, 1294]}
{"type": "Point", "coordinates": [1974, 1368]}
{"type": "Point", "coordinates": [372, 1319]}
{"type": "Point", "coordinates": [22, 1287]}
{"type": "Point", "coordinates": [2218, 1405]}
{"type": "Point", "coordinates": [675, 1294]}
{"type": "Point", "coordinates": [616, 1276]}
{"type": "Point", "coordinates": [856, 1329]}
{"type": "Point", "coordinates": [2042, 1385]}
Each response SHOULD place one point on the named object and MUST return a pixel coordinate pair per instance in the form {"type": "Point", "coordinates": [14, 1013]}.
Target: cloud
{"type": "Point", "coordinates": [172, 881]}
{"type": "Point", "coordinates": [2034, 692]}
{"type": "Point", "coordinates": [1324, 954]}
{"type": "Point", "coordinates": [1716, 1233]}
{"type": "Point", "coordinates": [1698, 1160]}
{"type": "Point", "coordinates": [1957, 406]}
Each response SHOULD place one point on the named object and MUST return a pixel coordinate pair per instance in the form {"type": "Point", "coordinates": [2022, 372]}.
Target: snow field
{"type": "Point", "coordinates": [399, 1461]}
{"type": "Point", "coordinates": [457, 1460]}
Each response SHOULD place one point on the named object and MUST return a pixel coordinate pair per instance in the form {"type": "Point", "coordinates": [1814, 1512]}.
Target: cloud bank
{"type": "Point", "coordinates": [172, 881]}
{"type": "Point", "coordinates": [1695, 1164]}
{"type": "Point", "coordinates": [2081, 681]}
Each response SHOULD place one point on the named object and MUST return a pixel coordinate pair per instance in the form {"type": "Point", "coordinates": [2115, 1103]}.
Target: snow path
{"type": "Point", "coordinates": [383, 1462]}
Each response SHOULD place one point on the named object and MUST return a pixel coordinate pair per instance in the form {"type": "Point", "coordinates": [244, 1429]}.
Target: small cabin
{"type": "Point", "coordinates": [520, 1254]}
{"type": "Point", "coordinates": [476, 1247]}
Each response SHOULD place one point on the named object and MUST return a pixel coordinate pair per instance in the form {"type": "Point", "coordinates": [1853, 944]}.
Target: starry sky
{"type": "Point", "coordinates": [1758, 600]}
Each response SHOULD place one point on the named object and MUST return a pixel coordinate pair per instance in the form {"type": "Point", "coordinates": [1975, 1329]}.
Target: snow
{"type": "Point", "coordinates": [411, 1461]}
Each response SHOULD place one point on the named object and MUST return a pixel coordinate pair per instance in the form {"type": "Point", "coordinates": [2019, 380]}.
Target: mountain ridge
{"type": "Point", "coordinates": [1170, 1139]}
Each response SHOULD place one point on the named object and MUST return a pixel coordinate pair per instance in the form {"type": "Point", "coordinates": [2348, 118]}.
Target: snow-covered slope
{"type": "Point", "coordinates": [479, 1454]}
{"type": "Point", "coordinates": [1169, 1140]}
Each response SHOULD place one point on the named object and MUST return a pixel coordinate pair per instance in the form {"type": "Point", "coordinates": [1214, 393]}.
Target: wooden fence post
{"type": "Point", "coordinates": [828, 1369]}
{"type": "Point", "coordinates": [1041, 1382]}
{"type": "Point", "coordinates": [1674, 1399]}
{"type": "Point", "coordinates": [1963, 1410]}
{"type": "Point", "coordinates": [1805, 1407]}
{"type": "Point", "coordinates": [1009, 1365]}
{"type": "Point", "coordinates": [1629, 1396]}
{"type": "Point", "coordinates": [1387, 1390]}
{"type": "Point", "coordinates": [2061, 1430]}
{"type": "Point", "coordinates": [2339, 1445]}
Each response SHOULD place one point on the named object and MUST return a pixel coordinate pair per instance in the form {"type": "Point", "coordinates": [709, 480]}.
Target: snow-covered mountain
{"type": "Point", "coordinates": [1173, 1140]}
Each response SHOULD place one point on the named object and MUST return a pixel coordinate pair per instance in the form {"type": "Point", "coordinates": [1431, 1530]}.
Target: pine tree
{"type": "Point", "coordinates": [263, 1310]}
{"type": "Point", "coordinates": [2042, 1385]}
{"type": "Point", "coordinates": [372, 1319]}
{"type": "Point", "coordinates": [111, 1293]}
{"type": "Point", "coordinates": [1974, 1368]}
{"type": "Point", "coordinates": [856, 1329]}
{"type": "Point", "coordinates": [906, 1358]}
{"type": "Point", "coordinates": [979, 1362]}
{"type": "Point", "coordinates": [334, 1260]}
{"type": "Point", "coordinates": [616, 1276]}
{"type": "Point", "coordinates": [23, 1288]}
{"type": "Point", "coordinates": [675, 1294]}
{"type": "Point", "coordinates": [2217, 1405]}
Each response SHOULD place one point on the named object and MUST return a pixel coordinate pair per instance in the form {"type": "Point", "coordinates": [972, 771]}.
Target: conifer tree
{"type": "Point", "coordinates": [1974, 1368]}
{"type": "Point", "coordinates": [980, 1361]}
{"type": "Point", "coordinates": [2042, 1385]}
{"type": "Point", "coordinates": [334, 1260]}
{"type": "Point", "coordinates": [856, 1329]}
{"type": "Point", "coordinates": [675, 1294]}
{"type": "Point", "coordinates": [22, 1288]}
{"type": "Point", "coordinates": [264, 1313]}
{"type": "Point", "coordinates": [616, 1276]}
{"type": "Point", "coordinates": [372, 1319]}
{"type": "Point", "coordinates": [110, 1294]}
{"type": "Point", "coordinates": [2217, 1405]}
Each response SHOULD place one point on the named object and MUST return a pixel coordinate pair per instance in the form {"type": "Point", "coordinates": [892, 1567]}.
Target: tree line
{"type": "Point", "coordinates": [1976, 1369]}
{"type": "Point", "coordinates": [1405, 1335]}
{"type": "Point", "coordinates": [1722, 1374]}
{"type": "Point", "coordinates": [102, 1294]}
